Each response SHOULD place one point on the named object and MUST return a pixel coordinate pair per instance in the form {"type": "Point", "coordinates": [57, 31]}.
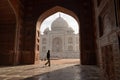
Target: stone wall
{"type": "Point", "coordinates": [107, 39]}
{"type": "Point", "coordinates": [64, 55]}
{"type": "Point", "coordinates": [7, 33]}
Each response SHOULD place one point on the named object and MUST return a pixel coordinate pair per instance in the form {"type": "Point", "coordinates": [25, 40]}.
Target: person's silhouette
{"type": "Point", "coordinates": [48, 58]}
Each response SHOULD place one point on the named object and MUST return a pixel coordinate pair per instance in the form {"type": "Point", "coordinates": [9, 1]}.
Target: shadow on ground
{"type": "Point", "coordinates": [76, 72]}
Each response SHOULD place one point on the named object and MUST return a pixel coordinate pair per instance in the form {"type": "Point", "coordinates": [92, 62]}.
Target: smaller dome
{"type": "Point", "coordinates": [46, 30]}
{"type": "Point", "coordinates": [70, 29]}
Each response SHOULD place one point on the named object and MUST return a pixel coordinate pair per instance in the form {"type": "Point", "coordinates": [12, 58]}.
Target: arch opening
{"type": "Point", "coordinates": [69, 47]}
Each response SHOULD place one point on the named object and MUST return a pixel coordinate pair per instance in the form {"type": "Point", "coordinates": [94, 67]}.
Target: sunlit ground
{"type": "Point", "coordinates": [25, 71]}
{"type": "Point", "coordinates": [61, 61]}
{"type": "Point", "coordinates": [60, 69]}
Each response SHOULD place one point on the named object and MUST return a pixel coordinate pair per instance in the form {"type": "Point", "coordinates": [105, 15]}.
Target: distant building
{"type": "Point", "coordinates": [61, 40]}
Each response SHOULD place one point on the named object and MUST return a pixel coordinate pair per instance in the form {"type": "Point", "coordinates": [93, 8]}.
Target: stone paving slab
{"type": "Point", "coordinates": [60, 70]}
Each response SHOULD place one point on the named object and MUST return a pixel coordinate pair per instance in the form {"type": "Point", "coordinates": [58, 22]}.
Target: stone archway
{"type": "Point", "coordinates": [54, 10]}
{"type": "Point", "coordinates": [87, 37]}
{"type": "Point", "coordinates": [36, 11]}
{"type": "Point", "coordinates": [9, 25]}
{"type": "Point", "coordinates": [49, 13]}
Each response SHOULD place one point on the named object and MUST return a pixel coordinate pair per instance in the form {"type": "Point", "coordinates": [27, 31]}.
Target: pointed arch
{"type": "Point", "coordinates": [54, 10]}
{"type": "Point", "coordinates": [48, 13]}
{"type": "Point", "coordinates": [9, 26]}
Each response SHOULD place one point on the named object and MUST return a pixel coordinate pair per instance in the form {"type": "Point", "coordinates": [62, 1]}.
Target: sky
{"type": "Point", "coordinates": [71, 22]}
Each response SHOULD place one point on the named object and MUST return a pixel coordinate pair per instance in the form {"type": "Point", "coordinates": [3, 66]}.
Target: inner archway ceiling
{"type": "Point", "coordinates": [55, 10]}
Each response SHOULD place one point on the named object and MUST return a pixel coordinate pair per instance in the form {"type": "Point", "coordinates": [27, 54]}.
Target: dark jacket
{"type": "Point", "coordinates": [48, 54]}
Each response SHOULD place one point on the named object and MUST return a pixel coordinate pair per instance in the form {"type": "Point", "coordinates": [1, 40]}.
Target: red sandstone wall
{"type": "Point", "coordinates": [107, 38]}
{"type": "Point", "coordinates": [7, 33]}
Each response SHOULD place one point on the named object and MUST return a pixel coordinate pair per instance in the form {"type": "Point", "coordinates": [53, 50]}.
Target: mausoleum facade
{"type": "Point", "coordinates": [60, 40]}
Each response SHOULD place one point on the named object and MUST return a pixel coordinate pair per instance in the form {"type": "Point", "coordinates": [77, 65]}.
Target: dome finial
{"type": "Point", "coordinates": [59, 14]}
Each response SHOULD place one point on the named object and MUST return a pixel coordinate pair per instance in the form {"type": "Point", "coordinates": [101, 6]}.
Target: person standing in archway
{"type": "Point", "coordinates": [48, 58]}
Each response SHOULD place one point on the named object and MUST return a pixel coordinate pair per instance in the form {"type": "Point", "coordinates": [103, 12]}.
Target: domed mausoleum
{"type": "Point", "coordinates": [60, 40]}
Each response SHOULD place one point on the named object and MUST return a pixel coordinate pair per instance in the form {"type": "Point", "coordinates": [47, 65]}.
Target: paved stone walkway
{"type": "Point", "coordinates": [60, 70]}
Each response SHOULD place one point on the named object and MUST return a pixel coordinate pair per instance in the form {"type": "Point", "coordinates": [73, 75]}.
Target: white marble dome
{"type": "Point", "coordinates": [59, 24]}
